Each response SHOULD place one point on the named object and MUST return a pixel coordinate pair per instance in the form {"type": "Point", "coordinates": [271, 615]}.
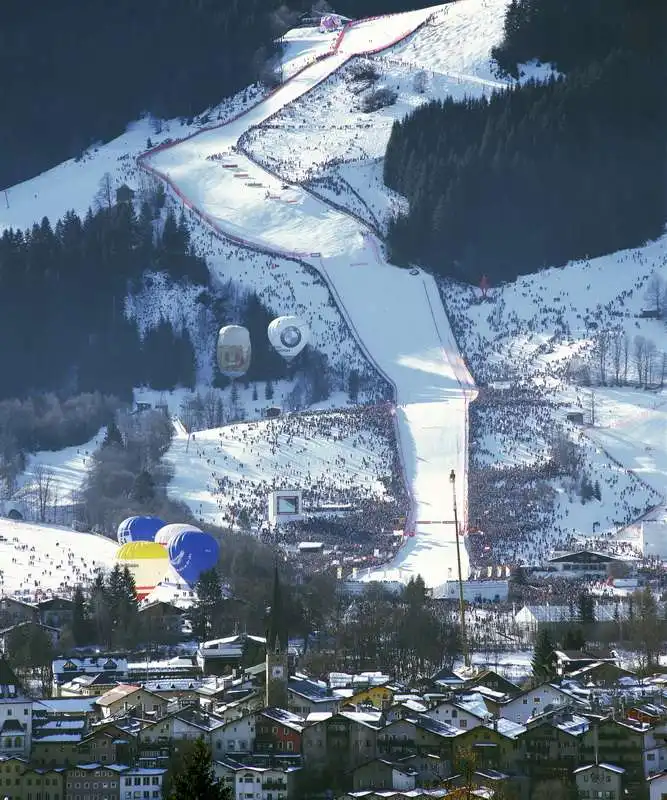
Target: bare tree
{"type": "Point", "coordinates": [626, 356]}
{"type": "Point", "coordinates": [43, 489]}
{"type": "Point", "coordinates": [655, 294]}
{"type": "Point", "coordinates": [104, 196]}
{"type": "Point", "coordinates": [639, 358]}
{"type": "Point", "coordinates": [650, 357]}
{"type": "Point", "coordinates": [617, 356]}
{"type": "Point", "coordinates": [601, 351]}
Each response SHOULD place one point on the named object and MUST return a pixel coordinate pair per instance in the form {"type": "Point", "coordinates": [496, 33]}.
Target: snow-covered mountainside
{"type": "Point", "coordinates": [242, 201]}
{"type": "Point", "coordinates": [284, 196]}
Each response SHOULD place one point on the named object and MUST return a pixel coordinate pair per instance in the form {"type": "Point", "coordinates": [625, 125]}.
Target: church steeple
{"type": "Point", "coordinates": [277, 666]}
{"type": "Point", "coordinates": [276, 635]}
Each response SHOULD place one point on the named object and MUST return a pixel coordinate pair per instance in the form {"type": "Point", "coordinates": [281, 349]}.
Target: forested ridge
{"type": "Point", "coordinates": [64, 287]}
{"type": "Point", "coordinates": [77, 73]}
{"type": "Point", "coordinates": [544, 172]}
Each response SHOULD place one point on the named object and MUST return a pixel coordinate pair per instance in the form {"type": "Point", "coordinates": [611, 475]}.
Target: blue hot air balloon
{"type": "Point", "coordinates": [138, 529]}
{"type": "Point", "coordinates": [193, 552]}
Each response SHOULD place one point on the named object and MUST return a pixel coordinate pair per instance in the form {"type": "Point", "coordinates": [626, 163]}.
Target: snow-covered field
{"type": "Point", "coordinates": [333, 458]}
{"type": "Point", "coordinates": [41, 559]}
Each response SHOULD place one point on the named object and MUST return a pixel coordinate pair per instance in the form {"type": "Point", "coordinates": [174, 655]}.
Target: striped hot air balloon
{"type": "Point", "coordinates": [148, 563]}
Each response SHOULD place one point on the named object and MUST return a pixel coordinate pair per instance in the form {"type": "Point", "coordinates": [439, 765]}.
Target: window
{"type": "Point", "coordinates": [463, 723]}
{"type": "Point", "coordinates": [455, 713]}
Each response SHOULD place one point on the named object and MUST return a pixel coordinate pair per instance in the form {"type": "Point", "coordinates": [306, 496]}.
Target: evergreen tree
{"type": "Point", "coordinates": [586, 606]}
{"type": "Point", "coordinates": [207, 615]}
{"type": "Point", "coordinates": [113, 436]}
{"type": "Point", "coordinates": [80, 621]}
{"type": "Point", "coordinates": [143, 491]}
{"type": "Point", "coordinates": [196, 780]}
{"type": "Point", "coordinates": [544, 660]}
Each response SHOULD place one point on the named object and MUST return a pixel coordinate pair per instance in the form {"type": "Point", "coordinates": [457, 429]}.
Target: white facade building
{"type": "Point", "coordinates": [15, 715]}
{"type": "Point", "coordinates": [141, 782]}
{"type": "Point", "coordinates": [237, 736]}
{"type": "Point", "coordinates": [534, 702]}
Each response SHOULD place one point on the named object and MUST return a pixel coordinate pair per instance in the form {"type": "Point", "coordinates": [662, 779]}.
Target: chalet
{"type": "Point", "coordinates": [604, 674]}
{"type": "Point", "coordinates": [377, 696]}
{"type": "Point", "coordinates": [253, 781]}
{"type": "Point", "coordinates": [466, 711]}
{"type": "Point", "coordinates": [87, 686]}
{"type": "Point", "coordinates": [234, 737]}
{"type": "Point", "coordinates": [106, 747]}
{"type": "Point", "coordinates": [126, 698]}
{"type": "Point", "coordinates": [403, 709]}
{"type": "Point", "coordinates": [162, 620]}
{"type": "Point", "coordinates": [26, 628]}
{"type": "Point", "coordinates": [278, 731]}
{"type": "Point", "coordinates": [616, 742]}
{"type": "Point", "coordinates": [221, 656]}
{"type": "Point", "coordinates": [648, 714]}
{"type": "Point", "coordinates": [13, 611]}
{"type": "Point", "coordinates": [489, 679]}
{"type": "Point", "coordinates": [569, 661]}
{"type": "Point", "coordinates": [600, 780]}
{"type": "Point", "coordinates": [533, 702]}
{"type": "Point", "coordinates": [552, 743]}
{"type": "Point", "coordinates": [584, 563]}
{"type": "Point", "coordinates": [115, 669]}
{"type": "Point", "coordinates": [56, 611]}
{"type": "Point", "coordinates": [304, 696]}
{"type": "Point", "coordinates": [340, 741]}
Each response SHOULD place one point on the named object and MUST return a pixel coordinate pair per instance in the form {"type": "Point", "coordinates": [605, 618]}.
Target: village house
{"type": "Point", "coordinates": [278, 731]}
{"type": "Point", "coordinates": [253, 782]}
{"type": "Point", "coordinates": [533, 702]}
{"type": "Point", "coordinates": [127, 697]}
{"type": "Point", "coordinates": [304, 696]}
{"type": "Point", "coordinates": [57, 612]}
{"type": "Point", "coordinates": [162, 621]}
{"type": "Point", "coordinates": [466, 711]}
{"type": "Point", "coordinates": [657, 786]}
{"type": "Point", "coordinates": [600, 780]}
{"type": "Point", "coordinates": [15, 714]}
{"type": "Point", "coordinates": [13, 611]}
{"type": "Point", "coordinates": [236, 736]}
{"type": "Point", "coordinates": [113, 668]}
{"type": "Point", "coordinates": [339, 741]}
{"type": "Point", "coordinates": [28, 628]}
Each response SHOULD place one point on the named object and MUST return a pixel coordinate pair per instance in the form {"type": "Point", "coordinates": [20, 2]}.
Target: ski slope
{"type": "Point", "coordinates": [396, 316]}
{"type": "Point", "coordinates": [38, 560]}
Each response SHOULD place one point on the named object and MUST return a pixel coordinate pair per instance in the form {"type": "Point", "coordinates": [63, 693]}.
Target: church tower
{"type": "Point", "coordinates": [277, 665]}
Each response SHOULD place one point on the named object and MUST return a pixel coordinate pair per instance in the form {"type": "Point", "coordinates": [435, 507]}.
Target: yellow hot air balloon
{"type": "Point", "coordinates": [148, 563]}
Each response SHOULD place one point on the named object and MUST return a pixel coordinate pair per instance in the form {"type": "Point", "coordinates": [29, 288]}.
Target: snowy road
{"type": "Point", "coordinates": [397, 317]}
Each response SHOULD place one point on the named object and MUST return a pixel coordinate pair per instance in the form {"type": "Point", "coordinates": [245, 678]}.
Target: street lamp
{"type": "Point", "coordinates": [462, 608]}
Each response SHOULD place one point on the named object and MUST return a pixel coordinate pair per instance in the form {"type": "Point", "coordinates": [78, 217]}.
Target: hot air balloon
{"type": "Point", "coordinates": [289, 335]}
{"type": "Point", "coordinates": [138, 529]}
{"type": "Point", "coordinates": [167, 533]}
{"type": "Point", "coordinates": [192, 552]}
{"type": "Point", "coordinates": [233, 351]}
{"type": "Point", "coordinates": [148, 563]}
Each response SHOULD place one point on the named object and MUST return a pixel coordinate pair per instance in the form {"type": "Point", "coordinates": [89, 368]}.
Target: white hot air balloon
{"type": "Point", "coordinates": [233, 351]}
{"type": "Point", "coordinates": [289, 335]}
{"type": "Point", "coordinates": [167, 532]}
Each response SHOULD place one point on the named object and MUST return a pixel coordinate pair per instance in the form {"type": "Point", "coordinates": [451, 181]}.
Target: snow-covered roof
{"type": "Point", "coordinates": [601, 765]}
